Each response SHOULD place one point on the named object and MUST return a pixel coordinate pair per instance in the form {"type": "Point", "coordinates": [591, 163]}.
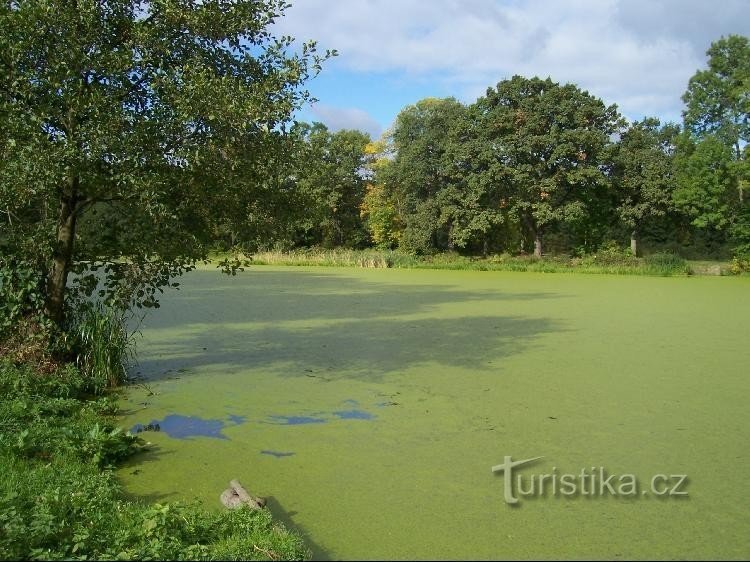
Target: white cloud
{"type": "Point", "coordinates": [696, 22]}
{"type": "Point", "coordinates": [338, 118]}
{"type": "Point", "coordinates": [636, 53]}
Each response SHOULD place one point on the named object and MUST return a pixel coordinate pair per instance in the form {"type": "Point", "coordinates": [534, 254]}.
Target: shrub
{"type": "Point", "coordinates": [610, 254]}
{"type": "Point", "coordinates": [666, 263]}
{"type": "Point", "coordinates": [21, 292]}
{"type": "Point", "coordinates": [741, 260]}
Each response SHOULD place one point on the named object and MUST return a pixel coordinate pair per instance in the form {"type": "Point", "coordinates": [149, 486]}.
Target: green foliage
{"type": "Point", "coordinates": [100, 342]}
{"type": "Point", "coordinates": [337, 257]}
{"type": "Point", "coordinates": [72, 511]}
{"type": "Point", "coordinates": [427, 182]}
{"type": "Point", "coordinates": [534, 160]}
{"type": "Point", "coordinates": [643, 173]}
{"type": "Point", "coordinates": [131, 129]}
{"type": "Point", "coordinates": [609, 259]}
{"type": "Point", "coordinates": [58, 499]}
{"type": "Point", "coordinates": [705, 183]}
{"type": "Point", "coordinates": [43, 417]}
{"type": "Point", "coordinates": [379, 211]}
{"type": "Point", "coordinates": [546, 145]}
{"type": "Point", "coordinates": [715, 174]}
{"type": "Point", "coordinates": [331, 180]}
{"type": "Point", "coordinates": [666, 262]}
{"type": "Point", "coordinates": [21, 292]}
{"type": "Point", "coordinates": [716, 98]}
{"type": "Point", "coordinates": [611, 254]}
{"type": "Point", "coordinates": [740, 260]}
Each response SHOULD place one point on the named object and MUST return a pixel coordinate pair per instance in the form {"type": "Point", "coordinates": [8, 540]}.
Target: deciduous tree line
{"type": "Point", "coordinates": [535, 165]}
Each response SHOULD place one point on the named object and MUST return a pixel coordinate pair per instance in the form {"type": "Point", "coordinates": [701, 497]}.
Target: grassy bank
{"type": "Point", "coordinates": [611, 261]}
{"type": "Point", "coordinates": [59, 498]}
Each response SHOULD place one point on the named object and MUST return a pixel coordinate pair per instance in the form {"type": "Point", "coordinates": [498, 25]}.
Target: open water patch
{"type": "Point", "coordinates": [353, 415]}
{"type": "Point", "coordinates": [178, 426]}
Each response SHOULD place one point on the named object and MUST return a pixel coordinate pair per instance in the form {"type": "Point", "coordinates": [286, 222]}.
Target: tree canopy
{"type": "Point", "coordinates": [331, 178]}
{"type": "Point", "coordinates": [713, 160]}
{"type": "Point", "coordinates": [151, 116]}
{"type": "Point", "coordinates": [545, 143]}
{"type": "Point", "coordinates": [644, 174]}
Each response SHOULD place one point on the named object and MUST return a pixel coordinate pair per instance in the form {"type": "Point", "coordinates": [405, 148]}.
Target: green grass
{"type": "Point", "coordinates": [619, 263]}
{"type": "Point", "coordinates": [456, 369]}
{"type": "Point", "coordinates": [102, 346]}
{"type": "Point", "coordinates": [60, 499]}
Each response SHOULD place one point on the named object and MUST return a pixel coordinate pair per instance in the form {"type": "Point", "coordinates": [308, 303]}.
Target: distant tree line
{"type": "Point", "coordinates": [534, 166]}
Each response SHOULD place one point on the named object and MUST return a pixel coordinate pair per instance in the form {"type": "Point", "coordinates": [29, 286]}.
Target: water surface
{"type": "Point", "coordinates": [370, 405]}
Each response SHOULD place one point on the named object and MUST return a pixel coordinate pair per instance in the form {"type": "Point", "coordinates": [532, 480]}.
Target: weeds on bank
{"type": "Point", "coordinates": [59, 498]}
{"type": "Point", "coordinates": [610, 260]}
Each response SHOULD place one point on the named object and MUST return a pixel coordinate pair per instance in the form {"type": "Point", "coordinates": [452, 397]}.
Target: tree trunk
{"type": "Point", "coordinates": [740, 186]}
{"type": "Point", "coordinates": [634, 242]}
{"type": "Point", "coordinates": [538, 243]}
{"type": "Point", "coordinates": [62, 257]}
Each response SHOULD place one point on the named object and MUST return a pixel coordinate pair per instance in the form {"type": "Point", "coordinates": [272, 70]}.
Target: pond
{"type": "Point", "coordinates": [369, 406]}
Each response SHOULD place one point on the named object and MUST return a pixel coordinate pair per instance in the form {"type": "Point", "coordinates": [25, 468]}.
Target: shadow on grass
{"type": "Point", "coordinates": [302, 324]}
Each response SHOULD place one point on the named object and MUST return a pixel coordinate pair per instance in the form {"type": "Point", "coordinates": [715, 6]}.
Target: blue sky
{"type": "Point", "coordinates": [638, 54]}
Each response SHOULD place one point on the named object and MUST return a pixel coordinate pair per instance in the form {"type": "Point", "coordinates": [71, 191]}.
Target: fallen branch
{"type": "Point", "coordinates": [236, 495]}
{"type": "Point", "coordinates": [268, 553]}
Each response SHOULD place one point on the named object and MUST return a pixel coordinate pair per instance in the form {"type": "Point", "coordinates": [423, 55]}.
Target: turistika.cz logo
{"type": "Point", "coordinates": [590, 481]}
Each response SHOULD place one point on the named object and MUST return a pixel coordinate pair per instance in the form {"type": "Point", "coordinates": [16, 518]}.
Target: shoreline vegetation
{"type": "Point", "coordinates": [59, 496]}
{"type": "Point", "coordinates": [610, 260]}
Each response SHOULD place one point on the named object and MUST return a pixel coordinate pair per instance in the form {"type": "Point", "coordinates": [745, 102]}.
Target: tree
{"type": "Point", "coordinates": [706, 182]}
{"type": "Point", "coordinates": [428, 178]}
{"type": "Point", "coordinates": [146, 113]}
{"type": "Point", "coordinates": [718, 98]}
{"type": "Point", "coordinates": [379, 207]}
{"type": "Point", "coordinates": [546, 144]}
{"type": "Point", "coordinates": [644, 174]}
{"type": "Point", "coordinates": [264, 206]}
{"type": "Point", "coordinates": [715, 173]}
{"type": "Point", "coordinates": [331, 175]}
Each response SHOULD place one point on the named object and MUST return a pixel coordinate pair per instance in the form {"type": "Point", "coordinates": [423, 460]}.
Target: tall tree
{"type": "Point", "coordinates": [380, 206]}
{"type": "Point", "coordinates": [717, 113]}
{"type": "Point", "coordinates": [718, 98]}
{"type": "Point", "coordinates": [706, 181]}
{"type": "Point", "coordinates": [423, 168]}
{"type": "Point", "coordinates": [547, 145]}
{"type": "Point", "coordinates": [332, 176]}
{"type": "Point", "coordinates": [146, 107]}
{"type": "Point", "coordinates": [644, 174]}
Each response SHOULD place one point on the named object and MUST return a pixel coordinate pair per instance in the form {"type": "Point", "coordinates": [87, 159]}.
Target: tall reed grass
{"type": "Point", "coordinates": [102, 346]}
{"type": "Point", "coordinates": [610, 262]}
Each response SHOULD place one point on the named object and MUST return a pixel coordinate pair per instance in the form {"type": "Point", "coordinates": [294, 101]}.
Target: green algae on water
{"type": "Point", "coordinates": [456, 369]}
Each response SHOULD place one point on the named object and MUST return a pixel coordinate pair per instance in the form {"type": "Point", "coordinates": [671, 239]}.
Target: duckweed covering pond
{"type": "Point", "coordinates": [424, 380]}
